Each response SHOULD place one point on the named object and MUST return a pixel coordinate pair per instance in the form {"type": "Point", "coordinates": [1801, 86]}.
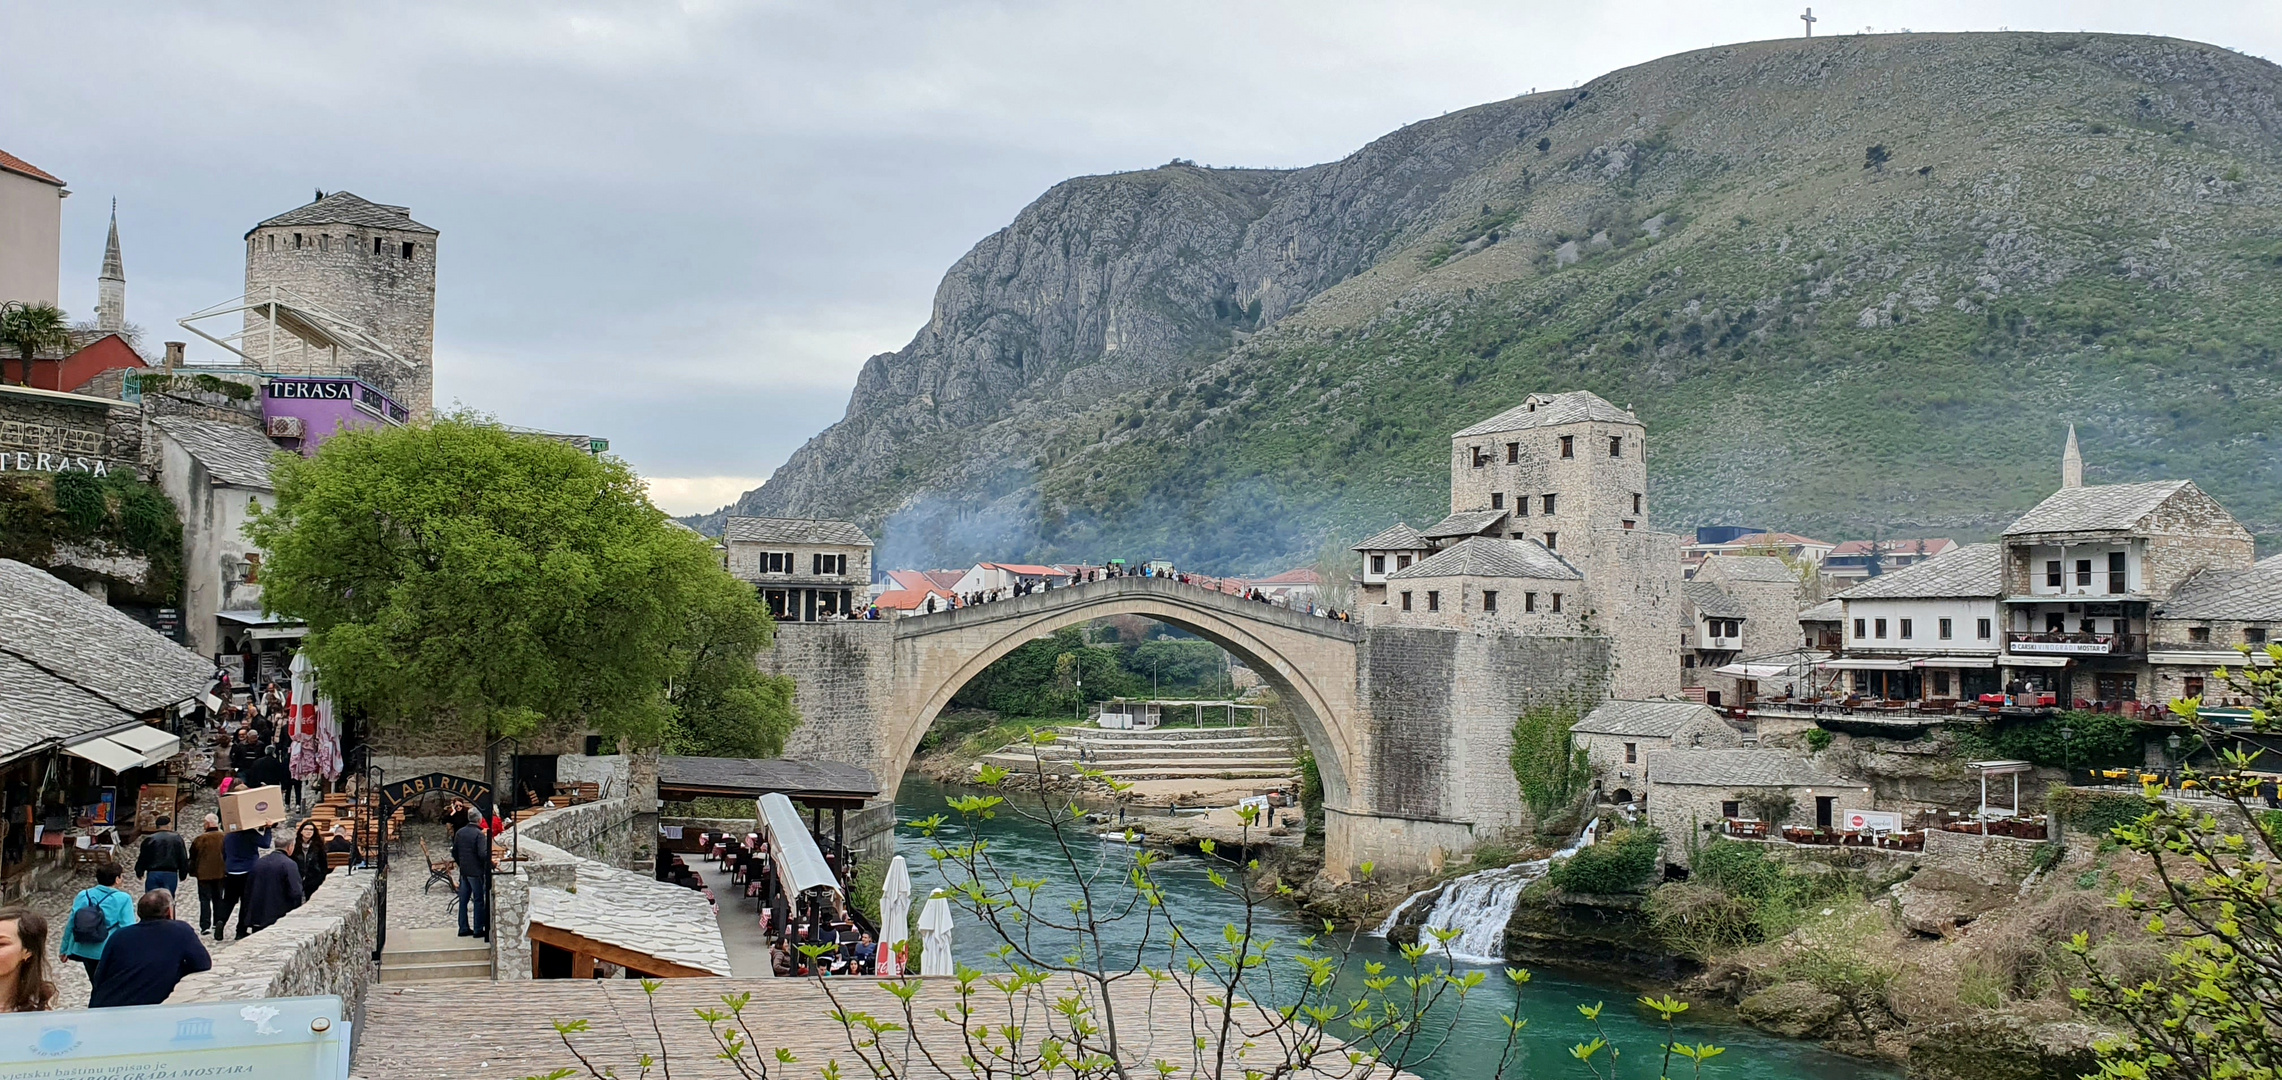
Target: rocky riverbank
{"type": "Point", "coordinates": [1953, 973]}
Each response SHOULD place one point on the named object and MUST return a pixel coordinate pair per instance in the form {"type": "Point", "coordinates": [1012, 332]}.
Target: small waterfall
{"type": "Point", "coordinates": [1480, 904]}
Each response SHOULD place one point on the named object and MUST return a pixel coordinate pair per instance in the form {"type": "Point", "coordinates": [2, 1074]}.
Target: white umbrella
{"type": "Point", "coordinates": [935, 936]}
{"type": "Point", "coordinates": [895, 916]}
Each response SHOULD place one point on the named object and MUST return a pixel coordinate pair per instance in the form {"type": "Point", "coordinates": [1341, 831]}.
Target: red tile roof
{"type": "Point", "coordinates": [1300, 576]}
{"type": "Point", "coordinates": [911, 599]}
{"type": "Point", "coordinates": [11, 163]}
{"type": "Point", "coordinates": [1027, 569]}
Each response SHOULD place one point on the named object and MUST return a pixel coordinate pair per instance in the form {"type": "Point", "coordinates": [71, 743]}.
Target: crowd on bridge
{"type": "Point", "coordinates": [1070, 576]}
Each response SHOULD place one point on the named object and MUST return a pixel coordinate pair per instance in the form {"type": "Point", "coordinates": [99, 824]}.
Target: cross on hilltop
{"type": "Point", "coordinates": [1809, 19]}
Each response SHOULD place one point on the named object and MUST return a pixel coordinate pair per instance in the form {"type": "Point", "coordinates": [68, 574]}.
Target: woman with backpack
{"type": "Point", "coordinates": [95, 913]}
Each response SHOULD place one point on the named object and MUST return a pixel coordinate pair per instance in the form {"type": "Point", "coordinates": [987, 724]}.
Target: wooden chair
{"type": "Point", "coordinates": [437, 871]}
{"type": "Point", "coordinates": [337, 859]}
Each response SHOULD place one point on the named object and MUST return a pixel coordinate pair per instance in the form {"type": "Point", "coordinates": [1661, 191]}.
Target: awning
{"type": "Point", "coordinates": [1955, 661]}
{"type": "Point", "coordinates": [1754, 671]}
{"type": "Point", "coordinates": [153, 744]}
{"type": "Point", "coordinates": [256, 618]}
{"type": "Point", "coordinates": [106, 753]}
{"type": "Point", "coordinates": [2000, 768]}
{"type": "Point", "coordinates": [1864, 664]}
{"type": "Point", "coordinates": [792, 851]}
{"type": "Point", "coordinates": [2224, 658]}
{"type": "Point", "coordinates": [2034, 661]}
{"type": "Point", "coordinates": [127, 748]}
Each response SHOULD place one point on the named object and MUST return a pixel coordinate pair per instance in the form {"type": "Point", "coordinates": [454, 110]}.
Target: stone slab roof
{"type": "Point", "coordinates": [1710, 599]}
{"type": "Point", "coordinates": [761, 530]}
{"type": "Point", "coordinates": [1400, 537]}
{"type": "Point", "coordinates": [1738, 768]}
{"type": "Point", "coordinates": [1550, 410]}
{"type": "Point", "coordinates": [2251, 594]}
{"type": "Point", "coordinates": [48, 624]}
{"type": "Point", "coordinates": [1464, 523]}
{"type": "Point", "coordinates": [2272, 560]}
{"type": "Point", "coordinates": [1487, 557]}
{"type": "Point", "coordinates": [2099, 508]}
{"type": "Point", "coordinates": [37, 707]}
{"type": "Point", "coordinates": [1975, 570]}
{"type": "Point", "coordinates": [638, 913]}
{"type": "Point", "coordinates": [346, 208]}
{"type": "Point", "coordinates": [1749, 568]}
{"type": "Point", "coordinates": [232, 453]}
{"type": "Point", "coordinates": [759, 776]}
{"type": "Point", "coordinates": [1827, 611]}
{"type": "Point", "coordinates": [1650, 719]}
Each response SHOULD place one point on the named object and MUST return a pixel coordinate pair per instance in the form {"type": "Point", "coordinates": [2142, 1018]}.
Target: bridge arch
{"type": "Point", "coordinates": [1309, 661]}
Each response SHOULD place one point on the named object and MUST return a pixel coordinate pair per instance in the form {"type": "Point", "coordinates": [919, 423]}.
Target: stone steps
{"type": "Point", "coordinates": [433, 955]}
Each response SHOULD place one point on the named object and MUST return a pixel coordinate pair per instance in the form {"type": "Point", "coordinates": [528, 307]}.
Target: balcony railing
{"type": "Point", "coordinates": [2068, 644]}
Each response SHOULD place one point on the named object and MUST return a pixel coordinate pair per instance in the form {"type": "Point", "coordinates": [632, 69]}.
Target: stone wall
{"type": "Point", "coordinates": [323, 947]}
{"type": "Point", "coordinates": [603, 831]}
{"type": "Point", "coordinates": [1983, 857]}
{"type": "Point", "coordinates": [33, 423]}
{"type": "Point", "coordinates": [336, 267]}
{"type": "Point", "coordinates": [543, 866]}
{"type": "Point", "coordinates": [843, 676]}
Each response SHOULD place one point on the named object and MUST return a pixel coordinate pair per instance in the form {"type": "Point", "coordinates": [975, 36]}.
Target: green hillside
{"type": "Point", "coordinates": [1853, 286]}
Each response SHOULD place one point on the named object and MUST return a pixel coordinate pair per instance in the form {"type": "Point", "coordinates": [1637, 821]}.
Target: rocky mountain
{"type": "Point", "coordinates": [1854, 285]}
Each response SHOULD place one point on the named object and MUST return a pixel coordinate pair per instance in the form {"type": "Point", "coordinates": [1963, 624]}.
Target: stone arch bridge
{"type": "Point", "coordinates": [1409, 725]}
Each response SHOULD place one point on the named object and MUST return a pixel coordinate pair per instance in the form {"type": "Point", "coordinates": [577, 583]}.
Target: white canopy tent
{"type": "Point", "coordinates": [793, 854]}
{"type": "Point", "coordinates": [935, 934]}
{"type": "Point", "coordinates": [1988, 769]}
{"type": "Point", "coordinates": [895, 916]}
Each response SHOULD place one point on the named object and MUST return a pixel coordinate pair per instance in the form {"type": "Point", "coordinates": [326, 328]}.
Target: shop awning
{"type": "Point", "coordinates": [127, 748]}
{"type": "Point", "coordinates": [1961, 662]}
{"type": "Point", "coordinates": [106, 753]}
{"type": "Point", "coordinates": [2035, 661]}
{"type": "Point", "coordinates": [2222, 658]}
{"type": "Point", "coordinates": [154, 745]}
{"type": "Point", "coordinates": [1754, 671]}
{"type": "Point", "coordinates": [1864, 664]}
{"type": "Point", "coordinates": [799, 865]}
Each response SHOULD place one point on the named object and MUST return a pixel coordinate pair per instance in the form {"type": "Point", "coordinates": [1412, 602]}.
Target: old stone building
{"type": "Point", "coordinates": [1928, 630]}
{"type": "Point", "coordinates": [1559, 480]}
{"type": "Point", "coordinates": [1690, 790]}
{"type": "Point", "coordinates": [1485, 584]}
{"type": "Point", "coordinates": [2207, 623]}
{"type": "Point", "coordinates": [368, 264]}
{"type": "Point", "coordinates": [215, 471]}
{"type": "Point", "coordinates": [1741, 608]}
{"type": "Point", "coordinates": [805, 569]}
{"type": "Point", "coordinates": [1618, 737]}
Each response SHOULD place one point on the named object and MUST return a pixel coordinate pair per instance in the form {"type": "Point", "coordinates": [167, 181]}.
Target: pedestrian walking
{"type": "Point", "coordinates": [163, 858]}
{"type": "Point", "coordinates": [240, 851]}
{"type": "Point", "coordinates": [309, 854]}
{"type": "Point", "coordinates": [471, 852]}
{"type": "Point", "coordinates": [144, 961]}
{"type": "Point", "coordinates": [273, 888]}
{"type": "Point", "coordinates": [206, 863]}
{"type": "Point", "coordinates": [24, 982]}
{"type": "Point", "coordinates": [98, 911]}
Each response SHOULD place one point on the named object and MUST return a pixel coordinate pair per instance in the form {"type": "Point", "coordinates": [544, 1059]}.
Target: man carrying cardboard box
{"type": "Point", "coordinates": [240, 850]}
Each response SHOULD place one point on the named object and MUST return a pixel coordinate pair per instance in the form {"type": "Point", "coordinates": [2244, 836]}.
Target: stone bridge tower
{"type": "Point", "coordinates": [369, 264]}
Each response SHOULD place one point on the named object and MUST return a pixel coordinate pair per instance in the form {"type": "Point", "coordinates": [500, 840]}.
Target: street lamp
{"type": "Point", "coordinates": [2068, 751]}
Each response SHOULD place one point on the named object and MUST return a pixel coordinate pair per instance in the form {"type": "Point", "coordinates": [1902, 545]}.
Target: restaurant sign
{"type": "Point", "coordinates": [2077, 648]}
{"type": "Point", "coordinates": [404, 791]}
{"type": "Point", "coordinates": [28, 461]}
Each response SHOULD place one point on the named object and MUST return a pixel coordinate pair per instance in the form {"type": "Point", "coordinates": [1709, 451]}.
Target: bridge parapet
{"type": "Point", "coordinates": [1117, 588]}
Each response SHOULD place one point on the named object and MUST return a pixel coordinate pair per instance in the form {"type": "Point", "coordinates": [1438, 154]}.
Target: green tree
{"type": "Point", "coordinates": [723, 706]}
{"type": "Point", "coordinates": [461, 577]}
{"type": "Point", "coordinates": [33, 328]}
{"type": "Point", "coordinates": [2217, 1009]}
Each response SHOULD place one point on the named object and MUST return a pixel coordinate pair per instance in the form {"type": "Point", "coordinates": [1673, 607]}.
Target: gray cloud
{"type": "Point", "coordinates": [685, 227]}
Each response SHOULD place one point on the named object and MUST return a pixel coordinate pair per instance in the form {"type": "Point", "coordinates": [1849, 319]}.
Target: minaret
{"type": "Point", "coordinates": [2072, 463]}
{"type": "Point", "coordinates": [111, 284]}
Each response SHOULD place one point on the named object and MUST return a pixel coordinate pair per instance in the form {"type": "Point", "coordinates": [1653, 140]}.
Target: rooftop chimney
{"type": "Point", "coordinates": [173, 355]}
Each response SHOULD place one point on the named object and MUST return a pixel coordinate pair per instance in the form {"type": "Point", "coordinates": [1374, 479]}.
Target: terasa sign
{"type": "Point", "coordinates": [26, 461]}
{"type": "Point", "coordinates": [313, 389]}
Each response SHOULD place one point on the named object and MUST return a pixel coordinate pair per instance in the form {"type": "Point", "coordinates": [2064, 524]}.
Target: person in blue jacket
{"type": "Point", "coordinates": [109, 909]}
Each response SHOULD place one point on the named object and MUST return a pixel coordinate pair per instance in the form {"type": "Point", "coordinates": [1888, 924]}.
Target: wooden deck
{"type": "Point", "coordinates": [506, 1029]}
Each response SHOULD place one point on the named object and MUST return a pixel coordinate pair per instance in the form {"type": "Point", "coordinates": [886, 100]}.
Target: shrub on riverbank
{"type": "Point", "coordinates": [1735, 896]}
{"type": "Point", "coordinates": [1621, 863]}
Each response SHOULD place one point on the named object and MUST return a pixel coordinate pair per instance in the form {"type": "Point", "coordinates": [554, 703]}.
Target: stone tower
{"type": "Point", "coordinates": [2071, 462]}
{"type": "Point", "coordinates": [366, 263]}
{"type": "Point", "coordinates": [111, 284]}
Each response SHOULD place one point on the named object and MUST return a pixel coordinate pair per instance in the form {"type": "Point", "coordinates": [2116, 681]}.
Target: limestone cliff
{"type": "Point", "coordinates": [1850, 283]}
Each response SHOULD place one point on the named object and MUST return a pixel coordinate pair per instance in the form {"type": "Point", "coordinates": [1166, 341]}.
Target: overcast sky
{"type": "Point", "coordinates": [685, 227]}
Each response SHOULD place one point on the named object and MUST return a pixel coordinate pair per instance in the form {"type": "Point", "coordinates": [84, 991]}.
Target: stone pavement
{"type": "Point", "coordinates": [740, 924]}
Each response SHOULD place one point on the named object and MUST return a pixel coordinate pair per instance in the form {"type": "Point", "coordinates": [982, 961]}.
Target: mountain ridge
{"type": "Point", "coordinates": [1914, 259]}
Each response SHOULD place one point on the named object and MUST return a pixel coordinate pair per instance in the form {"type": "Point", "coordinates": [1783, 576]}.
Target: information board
{"type": "Point", "coordinates": [262, 1039]}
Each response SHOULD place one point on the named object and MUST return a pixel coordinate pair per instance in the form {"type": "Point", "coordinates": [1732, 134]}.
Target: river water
{"type": "Point", "coordinates": [1549, 1002]}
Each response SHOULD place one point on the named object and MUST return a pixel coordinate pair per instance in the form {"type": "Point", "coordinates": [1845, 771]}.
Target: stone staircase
{"type": "Point", "coordinates": [433, 955]}
{"type": "Point", "coordinates": [1239, 753]}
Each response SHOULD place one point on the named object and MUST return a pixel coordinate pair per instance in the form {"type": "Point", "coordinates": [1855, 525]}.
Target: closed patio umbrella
{"type": "Point", "coordinates": [935, 936]}
{"type": "Point", "coordinates": [895, 916]}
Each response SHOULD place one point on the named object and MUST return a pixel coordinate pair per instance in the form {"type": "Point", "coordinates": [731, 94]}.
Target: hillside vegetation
{"type": "Point", "coordinates": [1853, 285]}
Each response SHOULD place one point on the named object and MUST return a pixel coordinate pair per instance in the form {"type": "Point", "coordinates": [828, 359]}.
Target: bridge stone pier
{"type": "Point", "coordinates": [1410, 727]}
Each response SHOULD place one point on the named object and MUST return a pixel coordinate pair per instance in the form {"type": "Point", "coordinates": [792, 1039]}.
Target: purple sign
{"type": "Point", "coordinates": [313, 409]}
